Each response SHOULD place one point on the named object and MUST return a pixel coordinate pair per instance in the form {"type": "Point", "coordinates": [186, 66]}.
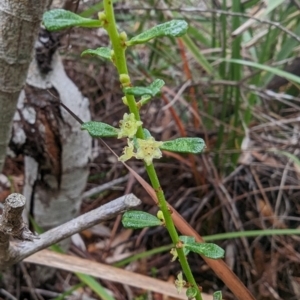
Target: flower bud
{"type": "Point", "coordinates": [125, 80]}
{"type": "Point", "coordinates": [123, 36]}
{"type": "Point", "coordinates": [102, 16]}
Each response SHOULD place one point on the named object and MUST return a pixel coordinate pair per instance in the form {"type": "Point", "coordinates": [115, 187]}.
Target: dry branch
{"type": "Point", "coordinates": [17, 251]}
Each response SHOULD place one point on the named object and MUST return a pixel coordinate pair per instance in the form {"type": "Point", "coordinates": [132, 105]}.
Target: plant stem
{"type": "Point", "coordinates": [120, 59]}
{"type": "Point", "coordinates": [121, 65]}
{"type": "Point", "coordinates": [170, 226]}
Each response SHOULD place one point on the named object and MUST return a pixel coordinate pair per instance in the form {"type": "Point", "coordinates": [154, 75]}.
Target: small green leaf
{"type": "Point", "coordinates": [191, 292]}
{"type": "Point", "coordinates": [206, 249]}
{"type": "Point", "coordinates": [138, 219]}
{"type": "Point", "coordinates": [186, 239]}
{"type": "Point", "coordinates": [137, 91]}
{"type": "Point", "coordinates": [145, 99]}
{"type": "Point", "coordinates": [172, 28]}
{"type": "Point", "coordinates": [58, 19]}
{"type": "Point", "coordinates": [185, 145]}
{"type": "Point", "coordinates": [99, 129]}
{"type": "Point", "coordinates": [217, 295]}
{"type": "Point", "coordinates": [156, 85]}
{"type": "Point", "coordinates": [146, 92]}
{"type": "Point", "coordinates": [102, 52]}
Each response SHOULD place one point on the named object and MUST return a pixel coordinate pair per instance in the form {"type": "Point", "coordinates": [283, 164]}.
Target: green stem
{"type": "Point", "coordinates": [121, 65]}
{"type": "Point", "coordinates": [170, 226]}
{"type": "Point", "coordinates": [119, 51]}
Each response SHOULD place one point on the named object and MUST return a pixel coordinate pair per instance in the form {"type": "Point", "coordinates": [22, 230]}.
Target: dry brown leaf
{"type": "Point", "coordinates": [76, 264]}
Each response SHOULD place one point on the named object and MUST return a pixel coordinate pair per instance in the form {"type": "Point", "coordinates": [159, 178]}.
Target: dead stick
{"type": "Point", "coordinates": [20, 250]}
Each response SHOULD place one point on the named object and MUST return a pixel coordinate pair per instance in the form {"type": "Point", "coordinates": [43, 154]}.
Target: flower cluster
{"type": "Point", "coordinates": [146, 149]}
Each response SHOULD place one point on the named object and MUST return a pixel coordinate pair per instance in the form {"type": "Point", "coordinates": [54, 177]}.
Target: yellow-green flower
{"type": "Point", "coordinates": [179, 282]}
{"type": "Point", "coordinates": [128, 126]}
{"type": "Point", "coordinates": [128, 151]}
{"type": "Point", "coordinates": [174, 254]}
{"type": "Point", "coordinates": [148, 150]}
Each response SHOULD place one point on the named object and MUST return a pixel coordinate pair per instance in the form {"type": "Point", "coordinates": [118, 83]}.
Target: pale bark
{"type": "Point", "coordinates": [19, 26]}
{"type": "Point", "coordinates": [57, 195]}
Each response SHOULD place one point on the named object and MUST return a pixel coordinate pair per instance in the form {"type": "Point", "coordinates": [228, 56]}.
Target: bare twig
{"type": "Point", "coordinates": [19, 250]}
{"type": "Point", "coordinates": [11, 223]}
{"type": "Point", "coordinates": [104, 187]}
{"type": "Point", "coordinates": [5, 293]}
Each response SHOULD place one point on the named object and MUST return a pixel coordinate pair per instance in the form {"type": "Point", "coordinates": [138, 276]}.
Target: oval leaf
{"type": "Point", "coordinates": [138, 91]}
{"type": "Point", "coordinates": [186, 239]}
{"type": "Point", "coordinates": [102, 52]}
{"type": "Point", "coordinates": [206, 249]}
{"type": "Point", "coordinates": [138, 219]}
{"type": "Point", "coordinates": [156, 85]}
{"type": "Point", "coordinates": [217, 295]}
{"type": "Point", "coordinates": [152, 89]}
{"type": "Point", "coordinates": [58, 19]}
{"type": "Point", "coordinates": [173, 28]}
{"type": "Point", "coordinates": [191, 292]}
{"type": "Point", "coordinates": [99, 129]}
{"type": "Point", "coordinates": [185, 145]}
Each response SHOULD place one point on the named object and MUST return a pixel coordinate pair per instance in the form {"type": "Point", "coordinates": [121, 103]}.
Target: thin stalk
{"type": "Point", "coordinates": [263, 56]}
{"type": "Point", "coordinates": [121, 65]}
{"type": "Point", "coordinates": [225, 95]}
{"type": "Point", "coordinates": [213, 27]}
{"type": "Point", "coordinates": [212, 238]}
{"type": "Point", "coordinates": [236, 76]}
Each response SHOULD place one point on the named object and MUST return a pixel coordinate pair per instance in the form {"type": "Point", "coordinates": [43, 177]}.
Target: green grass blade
{"type": "Point", "coordinates": [95, 286]}
{"type": "Point", "coordinates": [196, 34]}
{"type": "Point", "coordinates": [235, 73]}
{"type": "Point", "coordinates": [251, 233]}
{"type": "Point", "coordinates": [144, 254]}
{"type": "Point", "coordinates": [211, 238]}
{"type": "Point", "coordinates": [200, 58]}
{"type": "Point", "coordinates": [275, 71]}
{"type": "Point", "coordinates": [271, 5]}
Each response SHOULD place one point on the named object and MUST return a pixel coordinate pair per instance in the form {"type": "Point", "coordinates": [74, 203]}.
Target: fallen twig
{"type": "Point", "coordinates": [14, 252]}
